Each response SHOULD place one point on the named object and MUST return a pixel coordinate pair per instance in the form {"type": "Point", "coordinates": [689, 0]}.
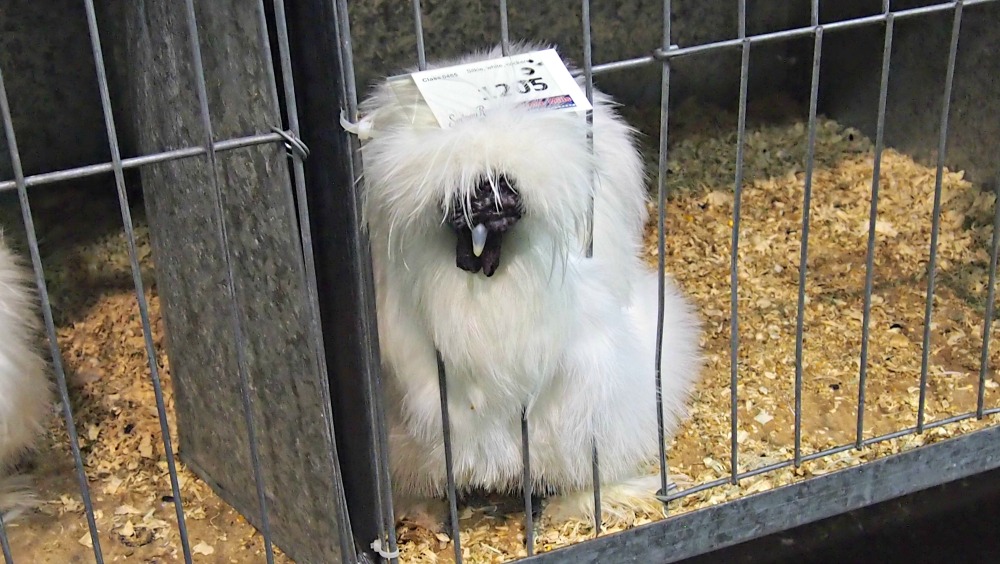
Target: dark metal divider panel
{"type": "Point", "coordinates": [259, 330]}
{"type": "Point", "coordinates": [325, 81]}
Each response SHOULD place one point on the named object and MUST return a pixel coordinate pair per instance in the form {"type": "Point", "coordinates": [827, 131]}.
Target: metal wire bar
{"type": "Point", "coordinates": [50, 328]}
{"type": "Point", "coordinates": [804, 252]}
{"type": "Point", "coordinates": [814, 12]}
{"type": "Point", "coordinates": [365, 282]}
{"type": "Point", "coordinates": [664, 52]}
{"type": "Point", "coordinates": [596, 480]}
{"type": "Point", "coordinates": [449, 459]}
{"type": "Point", "coordinates": [350, 86]}
{"type": "Point", "coordinates": [528, 485]}
{"type": "Point", "coordinates": [661, 246]}
{"type": "Point", "coordinates": [418, 26]}
{"type": "Point", "coordinates": [308, 258]}
{"type": "Point", "coordinates": [442, 372]}
{"type": "Point", "coordinates": [136, 162]}
{"type": "Point", "coordinates": [734, 337]}
{"type": "Point", "coordinates": [505, 37]}
{"type": "Point", "coordinates": [984, 357]}
{"type": "Point", "coordinates": [742, 19]}
{"type": "Point", "coordinates": [679, 494]}
{"type": "Point", "coordinates": [223, 234]}
{"type": "Point", "coordinates": [271, 83]}
{"type": "Point", "coordinates": [893, 435]}
{"type": "Point", "coordinates": [936, 218]}
{"type": "Point", "coordinates": [913, 430]}
{"type": "Point", "coordinates": [264, 38]}
{"type": "Point", "coordinates": [588, 84]}
{"type": "Point", "coordinates": [588, 78]}
{"type": "Point", "coordinates": [140, 291]}
{"type": "Point", "coordinates": [873, 217]}
{"type": "Point", "coordinates": [831, 451]}
{"type": "Point", "coordinates": [8, 558]}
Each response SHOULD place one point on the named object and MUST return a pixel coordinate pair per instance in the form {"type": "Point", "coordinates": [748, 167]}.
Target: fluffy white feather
{"type": "Point", "coordinates": [571, 338]}
{"type": "Point", "coordinates": [24, 386]}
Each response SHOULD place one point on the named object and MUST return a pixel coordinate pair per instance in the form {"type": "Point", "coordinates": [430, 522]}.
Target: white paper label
{"type": "Point", "coordinates": [538, 80]}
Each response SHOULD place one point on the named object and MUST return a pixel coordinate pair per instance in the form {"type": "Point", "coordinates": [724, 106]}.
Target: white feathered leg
{"type": "Point", "coordinates": [24, 387]}
{"type": "Point", "coordinates": [17, 495]}
{"type": "Point", "coordinates": [617, 362]}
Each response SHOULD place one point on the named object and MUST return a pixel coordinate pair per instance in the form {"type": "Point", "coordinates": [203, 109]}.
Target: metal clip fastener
{"type": "Point", "coordinates": [293, 143]}
{"type": "Point", "coordinates": [661, 54]}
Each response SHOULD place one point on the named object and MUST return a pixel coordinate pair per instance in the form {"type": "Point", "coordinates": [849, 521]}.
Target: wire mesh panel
{"type": "Point", "coordinates": [822, 185]}
{"type": "Point", "coordinates": [226, 218]}
{"type": "Point", "coordinates": [798, 392]}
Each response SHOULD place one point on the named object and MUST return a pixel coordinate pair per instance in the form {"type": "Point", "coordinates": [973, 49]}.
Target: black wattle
{"type": "Point", "coordinates": [496, 206]}
{"type": "Point", "coordinates": [464, 258]}
{"type": "Point", "coordinates": [488, 261]}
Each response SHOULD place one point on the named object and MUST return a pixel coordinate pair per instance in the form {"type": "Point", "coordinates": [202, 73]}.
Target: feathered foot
{"type": "Point", "coordinates": [621, 503]}
{"type": "Point", "coordinates": [502, 506]}
{"type": "Point", "coordinates": [417, 514]}
{"type": "Point", "coordinates": [17, 496]}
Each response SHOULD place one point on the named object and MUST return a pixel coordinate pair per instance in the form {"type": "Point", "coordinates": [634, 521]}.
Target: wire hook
{"type": "Point", "coordinates": [292, 142]}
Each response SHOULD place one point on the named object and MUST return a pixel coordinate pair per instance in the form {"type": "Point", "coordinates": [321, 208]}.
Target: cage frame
{"type": "Point", "coordinates": [315, 83]}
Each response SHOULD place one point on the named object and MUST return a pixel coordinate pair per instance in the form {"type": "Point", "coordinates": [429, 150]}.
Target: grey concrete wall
{"type": "Point", "coordinates": [51, 85]}
{"type": "Point", "coordinates": [852, 70]}
{"type": "Point", "coordinates": [385, 42]}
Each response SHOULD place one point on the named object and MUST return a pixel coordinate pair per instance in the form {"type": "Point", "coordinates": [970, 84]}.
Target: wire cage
{"type": "Point", "coordinates": [806, 196]}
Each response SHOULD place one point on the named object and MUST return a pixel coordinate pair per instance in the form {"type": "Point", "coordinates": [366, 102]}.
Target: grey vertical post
{"type": "Point", "coordinates": [321, 60]}
{"type": "Point", "coordinates": [300, 205]}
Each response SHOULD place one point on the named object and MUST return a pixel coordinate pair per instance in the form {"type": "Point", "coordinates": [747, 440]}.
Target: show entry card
{"type": "Point", "coordinates": [538, 80]}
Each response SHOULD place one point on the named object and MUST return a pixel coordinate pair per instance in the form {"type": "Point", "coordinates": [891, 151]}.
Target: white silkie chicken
{"type": "Point", "coordinates": [24, 387]}
{"type": "Point", "coordinates": [479, 235]}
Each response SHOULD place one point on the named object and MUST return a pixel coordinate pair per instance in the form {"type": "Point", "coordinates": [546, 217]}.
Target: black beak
{"type": "Point", "coordinates": [480, 234]}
